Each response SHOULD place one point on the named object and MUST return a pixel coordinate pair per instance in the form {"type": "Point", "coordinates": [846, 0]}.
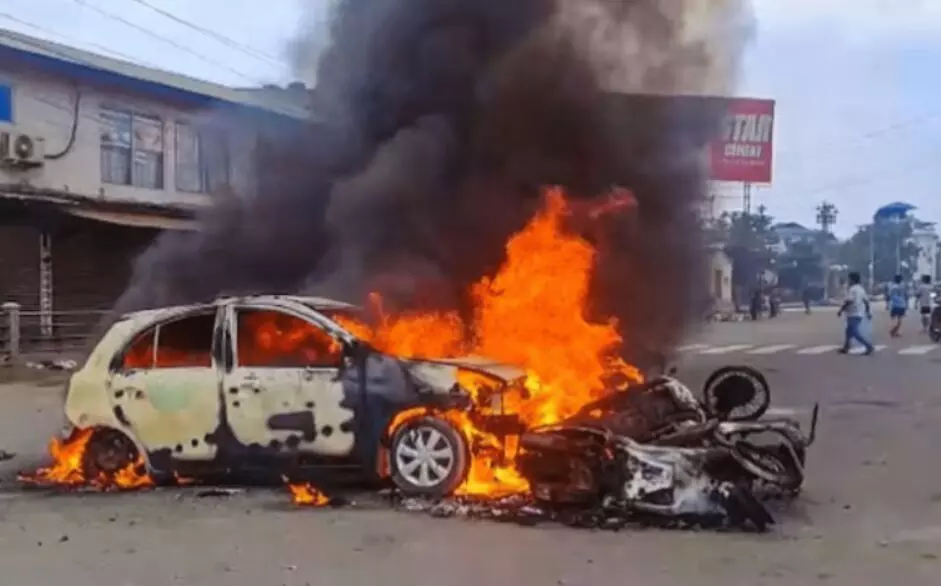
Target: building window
{"type": "Point", "coordinates": [202, 159]}
{"type": "Point", "coordinates": [6, 103]}
{"type": "Point", "coordinates": [131, 149]}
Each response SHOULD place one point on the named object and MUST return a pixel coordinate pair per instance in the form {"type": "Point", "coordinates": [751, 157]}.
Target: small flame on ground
{"type": "Point", "coordinates": [530, 314]}
{"type": "Point", "coordinates": [306, 495]}
{"type": "Point", "coordinates": [68, 468]}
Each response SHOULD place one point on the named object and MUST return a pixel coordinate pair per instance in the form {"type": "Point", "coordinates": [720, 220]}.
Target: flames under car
{"type": "Point", "coordinates": [271, 383]}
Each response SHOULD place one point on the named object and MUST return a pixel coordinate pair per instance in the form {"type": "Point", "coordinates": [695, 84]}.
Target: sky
{"type": "Point", "coordinates": [857, 84]}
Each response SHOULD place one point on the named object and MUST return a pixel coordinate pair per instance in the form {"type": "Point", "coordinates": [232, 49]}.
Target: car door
{"type": "Point", "coordinates": [165, 387]}
{"type": "Point", "coordinates": [321, 392]}
{"type": "Point", "coordinates": [281, 390]}
{"type": "Point", "coordinates": [261, 385]}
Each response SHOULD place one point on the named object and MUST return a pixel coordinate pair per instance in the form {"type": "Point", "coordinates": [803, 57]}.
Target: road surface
{"type": "Point", "coordinates": [871, 514]}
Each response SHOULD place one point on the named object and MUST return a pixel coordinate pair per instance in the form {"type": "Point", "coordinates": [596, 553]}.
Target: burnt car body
{"type": "Point", "coordinates": [657, 450]}
{"type": "Point", "coordinates": [187, 389]}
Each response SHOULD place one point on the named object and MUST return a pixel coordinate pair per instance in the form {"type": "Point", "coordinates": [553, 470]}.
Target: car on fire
{"type": "Point", "coordinates": [282, 384]}
{"type": "Point", "coordinates": [268, 383]}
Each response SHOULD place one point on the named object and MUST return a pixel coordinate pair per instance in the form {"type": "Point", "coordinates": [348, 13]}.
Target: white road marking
{"type": "Point", "coordinates": [691, 347]}
{"type": "Point", "coordinates": [726, 349]}
{"type": "Point", "coordinates": [917, 350]}
{"type": "Point", "coordinates": [877, 347]}
{"type": "Point", "coordinates": [772, 349]}
{"type": "Point", "coordinates": [819, 349]}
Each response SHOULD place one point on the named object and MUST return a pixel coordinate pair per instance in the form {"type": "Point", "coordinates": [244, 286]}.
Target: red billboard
{"type": "Point", "coordinates": [743, 150]}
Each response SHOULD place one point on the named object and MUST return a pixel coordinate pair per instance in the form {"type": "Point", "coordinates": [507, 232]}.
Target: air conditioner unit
{"type": "Point", "coordinates": [21, 151]}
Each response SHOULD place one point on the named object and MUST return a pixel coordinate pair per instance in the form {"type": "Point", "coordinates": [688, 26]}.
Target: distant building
{"type": "Point", "coordinates": [720, 276]}
{"type": "Point", "coordinates": [925, 238]}
{"type": "Point", "coordinates": [791, 233]}
{"type": "Point", "coordinates": [98, 155]}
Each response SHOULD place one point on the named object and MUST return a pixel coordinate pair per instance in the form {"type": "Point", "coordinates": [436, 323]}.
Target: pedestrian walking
{"type": "Point", "coordinates": [807, 299]}
{"type": "Point", "coordinates": [757, 304]}
{"type": "Point", "coordinates": [897, 302]}
{"type": "Point", "coordinates": [856, 308]}
{"type": "Point", "coordinates": [923, 300]}
{"type": "Point", "coordinates": [774, 302]}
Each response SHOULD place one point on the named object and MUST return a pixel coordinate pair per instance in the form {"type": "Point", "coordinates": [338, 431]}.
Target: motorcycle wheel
{"type": "Point", "coordinates": [736, 393]}
{"type": "Point", "coordinates": [772, 464]}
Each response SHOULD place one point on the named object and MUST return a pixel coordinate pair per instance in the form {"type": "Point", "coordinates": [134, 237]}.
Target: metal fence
{"type": "Point", "coordinates": [56, 334]}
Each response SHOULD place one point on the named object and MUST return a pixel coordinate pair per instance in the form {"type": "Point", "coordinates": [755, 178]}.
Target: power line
{"type": "Point", "coordinates": [160, 37]}
{"type": "Point", "coordinates": [70, 38]}
{"type": "Point", "coordinates": [228, 41]}
{"type": "Point", "coordinates": [908, 122]}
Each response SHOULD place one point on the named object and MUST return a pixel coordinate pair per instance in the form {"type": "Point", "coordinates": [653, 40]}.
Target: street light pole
{"type": "Point", "coordinates": [826, 217]}
{"type": "Point", "coordinates": [872, 257]}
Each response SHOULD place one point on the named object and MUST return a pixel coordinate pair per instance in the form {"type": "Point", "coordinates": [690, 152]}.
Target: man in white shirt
{"type": "Point", "coordinates": [856, 307]}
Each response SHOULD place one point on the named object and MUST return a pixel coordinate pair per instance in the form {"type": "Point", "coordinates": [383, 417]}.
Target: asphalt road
{"type": "Point", "coordinates": [871, 513]}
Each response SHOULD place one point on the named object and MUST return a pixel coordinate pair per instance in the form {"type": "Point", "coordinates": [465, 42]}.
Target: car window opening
{"type": "Point", "coordinates": [353, 321]}
{"type": "Point", "coordinates": [140, 354]}
{"type": "Point", "coordinates": [186, 342]}
{"type": "Point", "coordinates": [272, 339]}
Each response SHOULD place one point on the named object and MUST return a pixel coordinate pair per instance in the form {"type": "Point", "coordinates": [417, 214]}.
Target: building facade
{"type": "Point", "coordinates": [925, 238]}
{"type": "Point", "coordinates": [98, 156]}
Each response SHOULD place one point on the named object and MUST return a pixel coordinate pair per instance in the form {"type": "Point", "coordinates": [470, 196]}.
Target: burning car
{"type": "Point", "coordinates": [307, 389]}
{"type": "Point", "coordinates": [272, 382]}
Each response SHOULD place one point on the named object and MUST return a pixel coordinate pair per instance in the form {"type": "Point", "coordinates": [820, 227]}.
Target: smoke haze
{"type": "Point", "coordinates": [439, 121]}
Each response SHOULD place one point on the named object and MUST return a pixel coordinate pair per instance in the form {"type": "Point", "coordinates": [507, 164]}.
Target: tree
{"type": "Point", "coordinates": [799, 266]}
{"type": "Point", "coordinates": [893, 247]}
{"type": "Point", "coordinates": [749, 239]}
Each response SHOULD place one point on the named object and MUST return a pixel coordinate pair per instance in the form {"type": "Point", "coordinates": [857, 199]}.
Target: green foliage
{"type": "Point", "coordinates": [892, 242]}
{"type": "Point", "coordinates": [748, 239]}
{"type": "Point", "coordinates": [800, 266]}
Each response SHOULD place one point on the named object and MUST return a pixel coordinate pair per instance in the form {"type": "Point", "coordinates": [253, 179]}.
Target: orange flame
{"type": "Point", "coordinates": [530, 314]}
{"type": "Point", "coordinates": [68, 467]}
{"type": "Point", "coordinates": [305, 494]}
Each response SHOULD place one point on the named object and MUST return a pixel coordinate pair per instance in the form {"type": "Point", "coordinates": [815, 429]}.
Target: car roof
{"type": "Point", "coordinates": [315, 303]}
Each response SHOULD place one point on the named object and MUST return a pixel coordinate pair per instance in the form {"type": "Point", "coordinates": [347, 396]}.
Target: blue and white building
{"type": "Point", "coordinates": [98, 155]}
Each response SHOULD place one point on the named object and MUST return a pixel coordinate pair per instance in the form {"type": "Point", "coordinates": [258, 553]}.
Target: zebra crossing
{"type": "Point", "coordinates": [801, 350]}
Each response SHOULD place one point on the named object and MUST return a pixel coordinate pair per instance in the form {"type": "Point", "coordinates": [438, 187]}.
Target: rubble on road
{"type": "Point", "coordinates": [67, 365]}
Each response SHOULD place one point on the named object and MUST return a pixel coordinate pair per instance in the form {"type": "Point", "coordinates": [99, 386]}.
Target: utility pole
{"type": "Point", "coordinates": [746, 199]}
{"type": "Point", "coordinates": [826, 218]}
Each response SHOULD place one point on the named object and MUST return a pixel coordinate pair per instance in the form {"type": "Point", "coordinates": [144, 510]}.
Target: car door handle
{"type": "Point", "coordinates": [250, 383]}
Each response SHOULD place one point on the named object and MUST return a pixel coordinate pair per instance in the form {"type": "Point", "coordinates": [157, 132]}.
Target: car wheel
{"type": "Point", "coordinates": [107, 452]}
{"type": "Point", "coordinates": [428, 457]}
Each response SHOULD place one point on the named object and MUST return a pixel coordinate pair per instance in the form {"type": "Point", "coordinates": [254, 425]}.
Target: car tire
{"type": "Point", "coordinates": [428, 457]}
{"type": "Point", "coordinates": [108, 451]}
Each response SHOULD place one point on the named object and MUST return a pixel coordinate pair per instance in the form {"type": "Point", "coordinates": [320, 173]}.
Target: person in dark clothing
{"type": "Point", "coordinates": [807, 297]}
{"type": "Point", "coordinates": [757, 299]}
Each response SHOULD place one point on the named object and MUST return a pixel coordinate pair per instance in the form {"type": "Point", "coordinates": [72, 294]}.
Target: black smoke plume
{"type": "Point", "coordinates": [437, 124]}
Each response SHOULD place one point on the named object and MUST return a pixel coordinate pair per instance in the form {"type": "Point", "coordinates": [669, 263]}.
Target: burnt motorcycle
{"type": "Point", "coordinates": [657, 450]}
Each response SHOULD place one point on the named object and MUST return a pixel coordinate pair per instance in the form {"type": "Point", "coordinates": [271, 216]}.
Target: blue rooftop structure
{"type": "Point", "coordinates": [894, 211]}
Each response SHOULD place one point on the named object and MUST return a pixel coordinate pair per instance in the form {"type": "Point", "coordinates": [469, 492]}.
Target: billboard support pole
{"type": "Point", "coordinates": [872, 257]}
{"type": "Point", "coordinates": [746, 198]}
